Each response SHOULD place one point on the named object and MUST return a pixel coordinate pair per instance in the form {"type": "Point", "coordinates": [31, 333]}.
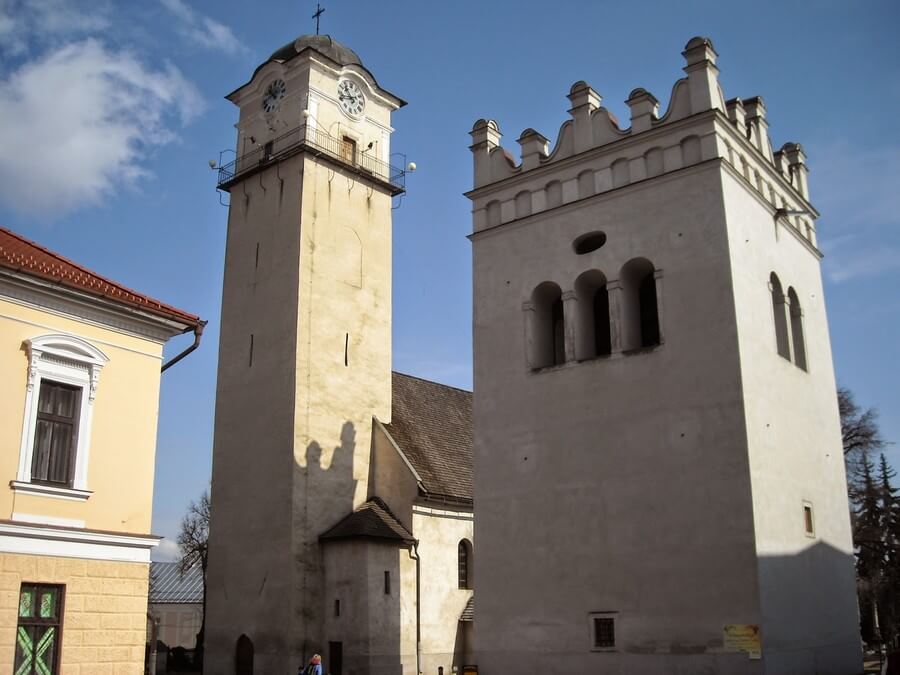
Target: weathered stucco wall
{"type": "Point", "coordinates": [622, 482]}
{"type": "Point", "coordinates": [439, 530]}
{"type": "Point", "coordinates": [796, 457]}
{"type": "Point", "coordinates": [308, 276]}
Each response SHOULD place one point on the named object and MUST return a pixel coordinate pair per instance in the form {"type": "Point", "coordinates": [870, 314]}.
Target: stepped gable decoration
{"type": "Point", "coordinates": [593, 127]}
{"type": "Point", "coordinates": [18, 254]}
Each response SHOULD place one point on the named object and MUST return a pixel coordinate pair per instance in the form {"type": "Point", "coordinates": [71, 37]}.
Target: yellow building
{"type": "Point", "coordinates": [80, 363]}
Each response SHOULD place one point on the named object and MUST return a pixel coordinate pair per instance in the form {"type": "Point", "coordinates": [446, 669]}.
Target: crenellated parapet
{"type": "Point", "coordinates": [698, 125]}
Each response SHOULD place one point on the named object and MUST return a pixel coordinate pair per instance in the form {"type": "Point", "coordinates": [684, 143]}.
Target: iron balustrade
{"type": "Point", "coordinates": [303, 137]}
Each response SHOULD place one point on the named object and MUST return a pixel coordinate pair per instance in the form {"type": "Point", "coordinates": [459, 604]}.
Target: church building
{"type": "Point", "coordinates": [341, 497]}
{"type": "Point", "coordinates": [656, 442]}
{"type": "Point", "coordinates": [659, 474]}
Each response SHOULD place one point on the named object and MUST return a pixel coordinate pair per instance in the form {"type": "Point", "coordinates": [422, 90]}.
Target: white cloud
{"type": "Point", "coordinates": [167, 551]}
{"type": "Point", "coordinates": [78, 123]}
{"type": "Point", "coordinates": [855, 189]}
{"type": "Point", "coordinates": [203, 30]}
{"type": "Point", "coordinates": [25, 24]}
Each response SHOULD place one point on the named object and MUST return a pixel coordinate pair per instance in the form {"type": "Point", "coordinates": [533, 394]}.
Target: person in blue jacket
{"type": "Point", "coordinates": [314, 667]}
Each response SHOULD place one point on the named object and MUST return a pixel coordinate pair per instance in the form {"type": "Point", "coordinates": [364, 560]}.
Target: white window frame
{"type": "Point", "coordinates": [68, 360]}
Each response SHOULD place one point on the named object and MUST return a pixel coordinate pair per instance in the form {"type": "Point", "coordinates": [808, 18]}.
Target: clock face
{"type": "Point", "coordinates": [274, 94]}
{"type": "Point", "coordinates": [352, 100]}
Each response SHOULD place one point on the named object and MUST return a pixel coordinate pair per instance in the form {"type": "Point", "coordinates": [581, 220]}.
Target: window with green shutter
{"type": "Point", "coordinates": [38, 631]}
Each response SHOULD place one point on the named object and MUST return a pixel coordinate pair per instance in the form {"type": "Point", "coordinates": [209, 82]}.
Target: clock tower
{"type": "Point", "coordinates": [305, 347]}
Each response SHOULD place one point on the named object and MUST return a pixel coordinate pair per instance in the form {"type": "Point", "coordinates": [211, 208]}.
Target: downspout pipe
{"type": "Point", "coordinates": [198, 333]}
{"type": "Point", "coordinates": [414, 554]}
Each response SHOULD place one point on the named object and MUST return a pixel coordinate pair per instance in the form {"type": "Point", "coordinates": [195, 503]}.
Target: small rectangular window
{"type": "Point", "coordinates": [337, 607]}
{"type": "Point", "coordinates": [808, 523]}
{"type": "Point", "coordinates": [268, 149]}
{"type": "Point", "coordinates": [387, 582]}
{"type": "Point", "coordinates": [604, 632]}
{"type": "Point", "coordinates": [38, 631]}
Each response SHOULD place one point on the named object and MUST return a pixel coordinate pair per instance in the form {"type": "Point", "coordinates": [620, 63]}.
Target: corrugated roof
{"type": "Point", "coordinates": [371, 520]}
{"type": "Point", "coordinates": [169, 585]}
{"type": "Point", "coordinates": [468, 614]}
{"type": "Point", "coordinates": [432, 424]}
{"type": "Point", "coordinates": [23, 255]}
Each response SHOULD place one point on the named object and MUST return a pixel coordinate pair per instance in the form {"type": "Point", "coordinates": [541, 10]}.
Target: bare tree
{"type": "Point", "coordinates": [861, 436]}
{"type": "Point", "coordinates": [192, 542]}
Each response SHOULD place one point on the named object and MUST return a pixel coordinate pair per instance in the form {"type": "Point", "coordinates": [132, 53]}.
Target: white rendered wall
{"type": "Point", "coordinates": [796, 454]}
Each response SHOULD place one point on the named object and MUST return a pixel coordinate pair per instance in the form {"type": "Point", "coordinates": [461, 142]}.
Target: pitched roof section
{"type": "Point", "coordinates": [372, 520]}
{"type": "Point", "coordinates": [432, 424]}
{"type": "Point", "coordinates": [169, 585]}
{"type": "Point", "coordinates": [23, 255]}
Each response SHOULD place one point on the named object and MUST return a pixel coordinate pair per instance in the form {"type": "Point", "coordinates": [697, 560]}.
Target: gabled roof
{"type": "Point", "coordinates": [27, 257]}
{"type": "Point", "coordinates": [169, 585]}
{"type": "Point", "coordinates": [432, 425]}
{"type": "Point", "coordinates": [372, 520]}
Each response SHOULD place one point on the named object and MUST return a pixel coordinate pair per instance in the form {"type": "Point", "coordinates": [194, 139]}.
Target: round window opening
{"type": "Point", "coordinates": [589, 242]}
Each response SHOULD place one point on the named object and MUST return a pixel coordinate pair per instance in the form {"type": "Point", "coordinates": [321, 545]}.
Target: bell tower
{"type": "Point", "coordinates": [305, 347]}
{"type": "Point", "coordinates": [659, 478]}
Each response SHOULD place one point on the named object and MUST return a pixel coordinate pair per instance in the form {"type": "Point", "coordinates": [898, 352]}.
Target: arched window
{"type": "Point", "coordinates": [585, 184]}
{"type": "Point", "coordinates": [523, 204]}
{"type": "Point", "coordinates": [653, 159]}
{"type": "Point", "coordinates": [548, 332]}
{"type": "Point", "coordinates": [493, 214]}
{"type": "Point", "coordinates": [690, 151]}
{"type": "Point", "coordinates": [593, 333]}
{"type": "Point", "coordinates": [621, 173]}
{"type": "Point", "coordinates": [553, 193]}
{"type": "Point", "coordinates": [641, 310]}
{"type": "Point", "coordinates": [465, 564]}
{"type": "Point", "coordinates": [243, 656]}
{"type": "Point", "coordinates": [778, 310]}
{"type": "Point", "coordinates": [797, 330]}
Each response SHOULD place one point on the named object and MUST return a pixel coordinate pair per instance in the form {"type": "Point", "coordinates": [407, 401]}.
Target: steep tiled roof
{"type": "Point", "coordinates": [371, 520]}
{"type": "Point", "coordinates": [23, 255]}
{"type": "Point", "coordinates": [432, 424]}
{"type": "Point", "coordinates": [168, 584]}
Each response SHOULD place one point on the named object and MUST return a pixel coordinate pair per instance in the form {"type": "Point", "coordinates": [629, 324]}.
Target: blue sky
{"type": "Point", "coordinates": [110, 110]}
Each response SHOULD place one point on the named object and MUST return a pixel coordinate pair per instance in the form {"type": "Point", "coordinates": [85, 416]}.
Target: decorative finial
{"type": "Point", "coordinates": [319, 11]}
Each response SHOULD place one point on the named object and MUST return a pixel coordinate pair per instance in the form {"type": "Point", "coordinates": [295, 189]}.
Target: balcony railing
{"type": "Point", "coordinates": [321, 143]}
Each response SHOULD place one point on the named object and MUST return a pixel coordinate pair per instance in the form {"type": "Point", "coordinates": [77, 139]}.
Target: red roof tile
{"type": "Point", "coordinates": [22, 255]}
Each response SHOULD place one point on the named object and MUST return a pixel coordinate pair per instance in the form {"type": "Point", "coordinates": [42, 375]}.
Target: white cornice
{"type": "Point", "coordinates": [27, 290]}
{"type": "Point", "coordinates": [34, 539]}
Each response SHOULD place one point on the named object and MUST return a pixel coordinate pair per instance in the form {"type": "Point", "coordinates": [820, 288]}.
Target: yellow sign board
{"type": "Point", "coordinates": [743, 637]}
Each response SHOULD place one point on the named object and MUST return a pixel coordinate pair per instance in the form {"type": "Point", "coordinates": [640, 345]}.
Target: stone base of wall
{"type": "Point", "coordinates": [104, 616]}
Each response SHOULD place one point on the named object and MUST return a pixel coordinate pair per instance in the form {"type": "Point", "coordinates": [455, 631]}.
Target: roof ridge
{"type": "Point", "coordinates": [440, 384]}
{"type": "Point", "coordinates": [387, 509]}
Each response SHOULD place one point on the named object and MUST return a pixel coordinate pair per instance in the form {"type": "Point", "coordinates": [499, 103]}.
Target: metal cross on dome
{"type": "Point", "coordinates": [319, 11]}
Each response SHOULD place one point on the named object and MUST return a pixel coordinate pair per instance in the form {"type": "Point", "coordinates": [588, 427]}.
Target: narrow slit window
{"type": "Point", "coordinates": [808, 523]}
{"type": "Point", "coordinates": [387, 582]}
{"type": "Point", "coordinates": [337, 607]}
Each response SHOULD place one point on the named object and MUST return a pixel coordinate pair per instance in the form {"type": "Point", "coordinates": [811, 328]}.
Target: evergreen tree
{"type": "Point", "coordinates": [889, 588]}
{"type": "Point", "coordinates": [870, 554]}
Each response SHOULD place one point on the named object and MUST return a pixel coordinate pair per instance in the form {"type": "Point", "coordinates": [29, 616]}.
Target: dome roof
{"type": "Point", "coordinates": [324, 44]}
